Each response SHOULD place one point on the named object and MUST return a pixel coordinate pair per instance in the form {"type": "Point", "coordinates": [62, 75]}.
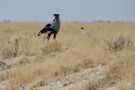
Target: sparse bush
{"type": "Point", "coordinates": [7, 53]}
{"type": "Point", "coordinates": [118, 44]}
{"type": "Point", "coordinates": [113, 71]}
{"type": "Point", "coordinates": [11, 49]}
{"type": "Point", "coordinates": [76, 67]}
{"type": "Point", "coordinates": [21, 45]}
{"type": "Point", "coordinates": [2, 65]}
{"type": "Point", "coordinates": [52, 47]}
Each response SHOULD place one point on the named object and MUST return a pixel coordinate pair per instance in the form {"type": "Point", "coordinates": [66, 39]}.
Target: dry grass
{"type": "Point", "coordinates": [38, 62]}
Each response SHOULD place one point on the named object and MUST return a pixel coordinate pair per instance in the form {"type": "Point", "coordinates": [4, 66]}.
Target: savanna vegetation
{"type": "Point", "coordinates": [105, 61]}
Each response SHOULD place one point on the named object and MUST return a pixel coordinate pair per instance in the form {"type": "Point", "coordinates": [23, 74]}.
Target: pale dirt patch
{"type": "Point", "coordinates": [75, 81]}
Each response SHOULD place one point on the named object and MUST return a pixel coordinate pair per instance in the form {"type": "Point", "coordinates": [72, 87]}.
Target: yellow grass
{"type": "Point", "coordinates": [36, 62]}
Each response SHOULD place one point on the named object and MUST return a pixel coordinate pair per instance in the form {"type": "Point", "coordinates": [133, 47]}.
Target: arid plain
{"type": "Point", "coordinates": [105, 61]}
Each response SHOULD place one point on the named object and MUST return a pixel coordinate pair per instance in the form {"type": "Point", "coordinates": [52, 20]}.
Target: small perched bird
{"type": "Point", "coordinates": [84, 32]}
{"type": "Point", "coordinates": [52, 28]}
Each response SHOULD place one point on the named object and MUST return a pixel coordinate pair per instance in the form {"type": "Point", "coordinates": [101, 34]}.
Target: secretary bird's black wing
{"type": "Point", "coordinates": [47, 28]}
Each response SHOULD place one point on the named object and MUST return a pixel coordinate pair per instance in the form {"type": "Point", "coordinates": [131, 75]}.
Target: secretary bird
{"type": "Point", "coordinates": [52, 28]}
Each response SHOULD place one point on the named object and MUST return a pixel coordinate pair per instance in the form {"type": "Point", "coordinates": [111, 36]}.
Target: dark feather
{"type": "Point", "coordinates": [46, 29]}
{"type": "Point", "coordinates": [48, 26]}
